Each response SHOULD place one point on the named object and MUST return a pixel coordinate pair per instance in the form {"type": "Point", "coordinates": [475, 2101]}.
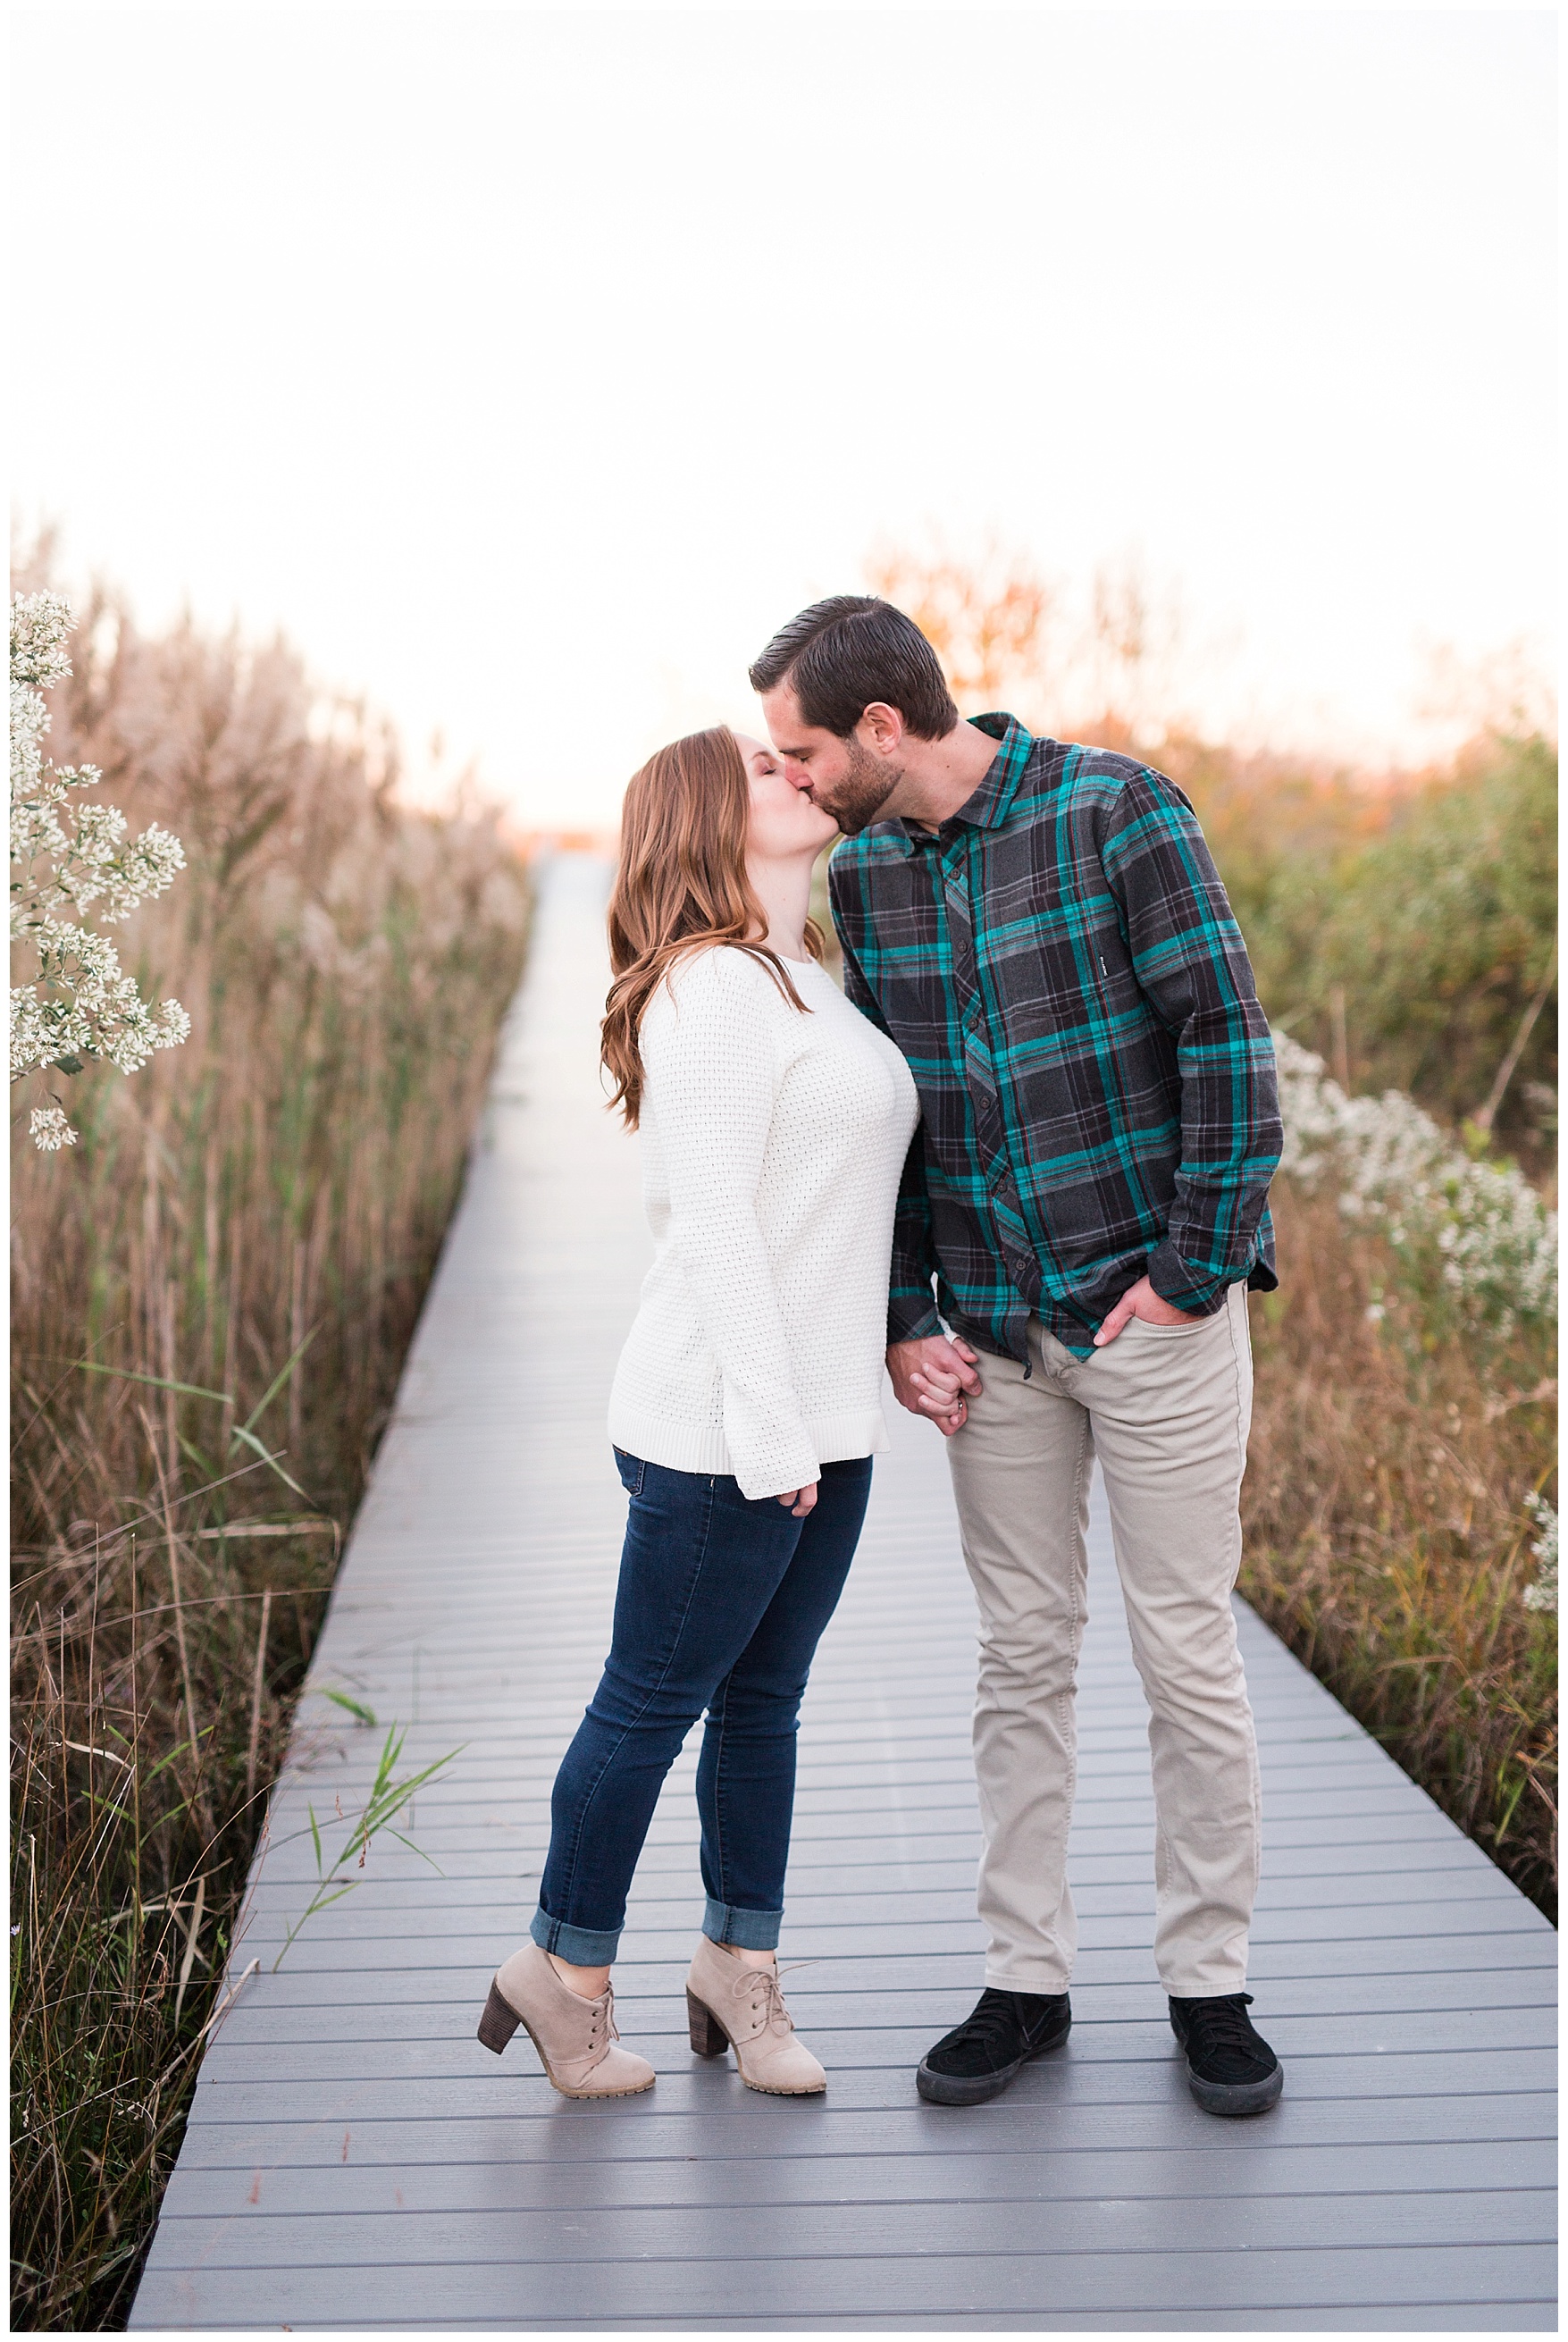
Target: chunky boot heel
{"type": "Point", "coordinates": [499, 2022]}
{"type": "Point", "coordinates": [709, 2038]}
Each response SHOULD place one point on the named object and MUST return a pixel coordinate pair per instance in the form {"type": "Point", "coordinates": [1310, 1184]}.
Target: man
{"type": "Point", "coordinates": [1041, 929]}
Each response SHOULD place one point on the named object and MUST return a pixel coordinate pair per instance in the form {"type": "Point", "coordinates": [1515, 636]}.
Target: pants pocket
{"type": "Point", "coordinates": [1171, 1333]}
{"type": "Point", "coordinates": [632, 1471]}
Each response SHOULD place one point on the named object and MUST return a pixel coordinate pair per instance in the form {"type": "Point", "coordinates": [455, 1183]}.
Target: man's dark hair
{"type": "Point", "coordinates": [845, 652]}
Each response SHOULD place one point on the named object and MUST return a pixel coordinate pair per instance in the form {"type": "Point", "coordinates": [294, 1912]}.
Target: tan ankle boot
{"type": "Point", "coordinates": [576, 2039]}
{"type": "Point", "coordinates": [729, 2003]}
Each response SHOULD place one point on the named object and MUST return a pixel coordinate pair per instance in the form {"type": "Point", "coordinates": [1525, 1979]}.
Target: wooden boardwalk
{"type": "Point", "coordinates": [355, 2158]}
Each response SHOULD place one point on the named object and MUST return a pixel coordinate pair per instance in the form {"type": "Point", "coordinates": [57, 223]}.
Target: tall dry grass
{"type": "Point", "coordinates": [211, 1295]}
{"type": "Point", "coordinates": [1387, 1536]}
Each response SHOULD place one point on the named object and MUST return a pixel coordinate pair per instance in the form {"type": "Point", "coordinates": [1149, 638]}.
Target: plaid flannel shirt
{"type": "Point", "coordinates": [1060, 966]}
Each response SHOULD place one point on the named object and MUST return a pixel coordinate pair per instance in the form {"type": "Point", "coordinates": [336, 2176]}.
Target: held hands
{"type": "Point", "coordinates": [1140, 1300]}
{"type": "Point", "coordinates": [936, 1378]}
{"type": "Point", "coordinates": [799, 1500]}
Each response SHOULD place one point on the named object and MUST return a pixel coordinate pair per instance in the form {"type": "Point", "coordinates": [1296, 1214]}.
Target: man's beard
{"type": "Point", "coordinates": [860, 795]}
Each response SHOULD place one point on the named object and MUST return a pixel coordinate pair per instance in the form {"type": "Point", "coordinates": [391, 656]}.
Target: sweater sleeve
{"type": "Point", "coordinates": [709, 1063]}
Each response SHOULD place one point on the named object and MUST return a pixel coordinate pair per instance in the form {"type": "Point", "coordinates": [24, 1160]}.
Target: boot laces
{"type": "Point", "coordinates": [603, 2028]}
{"type": "Point", "coordinates": [763, 1988]}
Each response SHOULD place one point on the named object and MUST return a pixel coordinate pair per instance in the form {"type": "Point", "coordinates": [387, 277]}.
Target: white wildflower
{"type": "Point", "coordinates": [1543, 1594]}
{"type": "Point", "coordinates": [80, 1004]}
{"type": "Point", "coordinates": [1493, 1241]}
{"type": "Point", "coordinates": [50, 1130]}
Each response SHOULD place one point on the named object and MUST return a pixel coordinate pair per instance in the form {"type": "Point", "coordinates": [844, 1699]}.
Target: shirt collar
{"type": "Point", "coordinates": [992, 802]}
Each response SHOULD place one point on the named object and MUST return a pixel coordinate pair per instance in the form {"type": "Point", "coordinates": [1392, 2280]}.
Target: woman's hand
{"type": "Point", "coordinates": [800, 1500]}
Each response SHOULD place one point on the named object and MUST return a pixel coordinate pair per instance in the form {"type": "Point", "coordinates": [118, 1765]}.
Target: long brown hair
{"type": "Point", "coordinates": [681, 885]}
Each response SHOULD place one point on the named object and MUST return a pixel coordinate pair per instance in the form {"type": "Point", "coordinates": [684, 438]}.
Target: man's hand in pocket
{"type": "Point", "coordinates": [1140, 1300]}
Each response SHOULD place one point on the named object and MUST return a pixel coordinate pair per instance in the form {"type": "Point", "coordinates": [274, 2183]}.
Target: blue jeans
{"type": "Point", "coordinates": [720, 1604]}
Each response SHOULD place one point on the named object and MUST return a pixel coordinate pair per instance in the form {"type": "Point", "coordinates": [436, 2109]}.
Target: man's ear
{"type": "Point", "coordinates": [881, 728]}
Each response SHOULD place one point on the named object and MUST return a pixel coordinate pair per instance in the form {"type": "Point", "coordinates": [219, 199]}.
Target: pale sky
{"type": "Point", "coordinates": [529, 367]}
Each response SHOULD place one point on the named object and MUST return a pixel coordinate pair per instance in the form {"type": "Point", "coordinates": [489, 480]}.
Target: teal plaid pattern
{"type": "Point", "coordinates": [1060, 965]}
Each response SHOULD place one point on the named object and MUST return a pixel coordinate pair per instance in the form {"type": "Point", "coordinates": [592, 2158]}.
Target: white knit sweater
{"type": "Point", "coordinates": [772, 1144]}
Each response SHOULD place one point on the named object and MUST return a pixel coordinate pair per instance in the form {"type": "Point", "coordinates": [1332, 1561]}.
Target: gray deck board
{"type": "Point", "coordinates": [354, 2159]}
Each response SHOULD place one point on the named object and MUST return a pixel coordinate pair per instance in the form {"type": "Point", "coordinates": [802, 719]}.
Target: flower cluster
{"type": "Point", "coordinates": [49, 1130]}
{"type": "Point", "coordinates": [1480, 1226]}
{"type": "Point", "coordinates": [79, 1004]}
{"type": "Point", "coordinates": [1543, 1595]}
{"type": "Point", "coordinates": [82, 1005]}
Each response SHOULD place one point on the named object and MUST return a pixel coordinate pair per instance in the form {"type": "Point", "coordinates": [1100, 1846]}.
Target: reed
{"type": "Point", "coordinates": [1390, 1531]}
{"type": "Point", "coordinates": [211, 1295]}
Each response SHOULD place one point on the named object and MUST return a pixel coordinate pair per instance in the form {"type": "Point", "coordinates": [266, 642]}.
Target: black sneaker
{"type": "Point", "coordinates": [1230, 2070]}
{"type": "Point", "coordinates": [979, 2057]}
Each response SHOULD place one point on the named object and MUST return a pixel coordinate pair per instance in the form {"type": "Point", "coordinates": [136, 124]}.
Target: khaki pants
{"type": "Point", "coordinates": [1166, 1409]}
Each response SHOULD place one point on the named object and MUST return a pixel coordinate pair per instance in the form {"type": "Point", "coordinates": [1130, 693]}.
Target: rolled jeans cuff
{"type": "Point", "coordinates": [744, 1931]}
{"type": "Point", "coordinates": [581, 1948]}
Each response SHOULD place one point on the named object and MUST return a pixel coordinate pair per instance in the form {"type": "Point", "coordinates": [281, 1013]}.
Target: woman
{"type": "Point", "coordinates": [746, 1407]}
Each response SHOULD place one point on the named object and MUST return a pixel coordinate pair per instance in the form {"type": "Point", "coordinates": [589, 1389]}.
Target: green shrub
{"type": "Point", "coordinates": [1410, 926]}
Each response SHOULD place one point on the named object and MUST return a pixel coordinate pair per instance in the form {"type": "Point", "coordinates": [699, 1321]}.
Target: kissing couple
{"type": "Point", "coordinates": [1023, 1156]}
